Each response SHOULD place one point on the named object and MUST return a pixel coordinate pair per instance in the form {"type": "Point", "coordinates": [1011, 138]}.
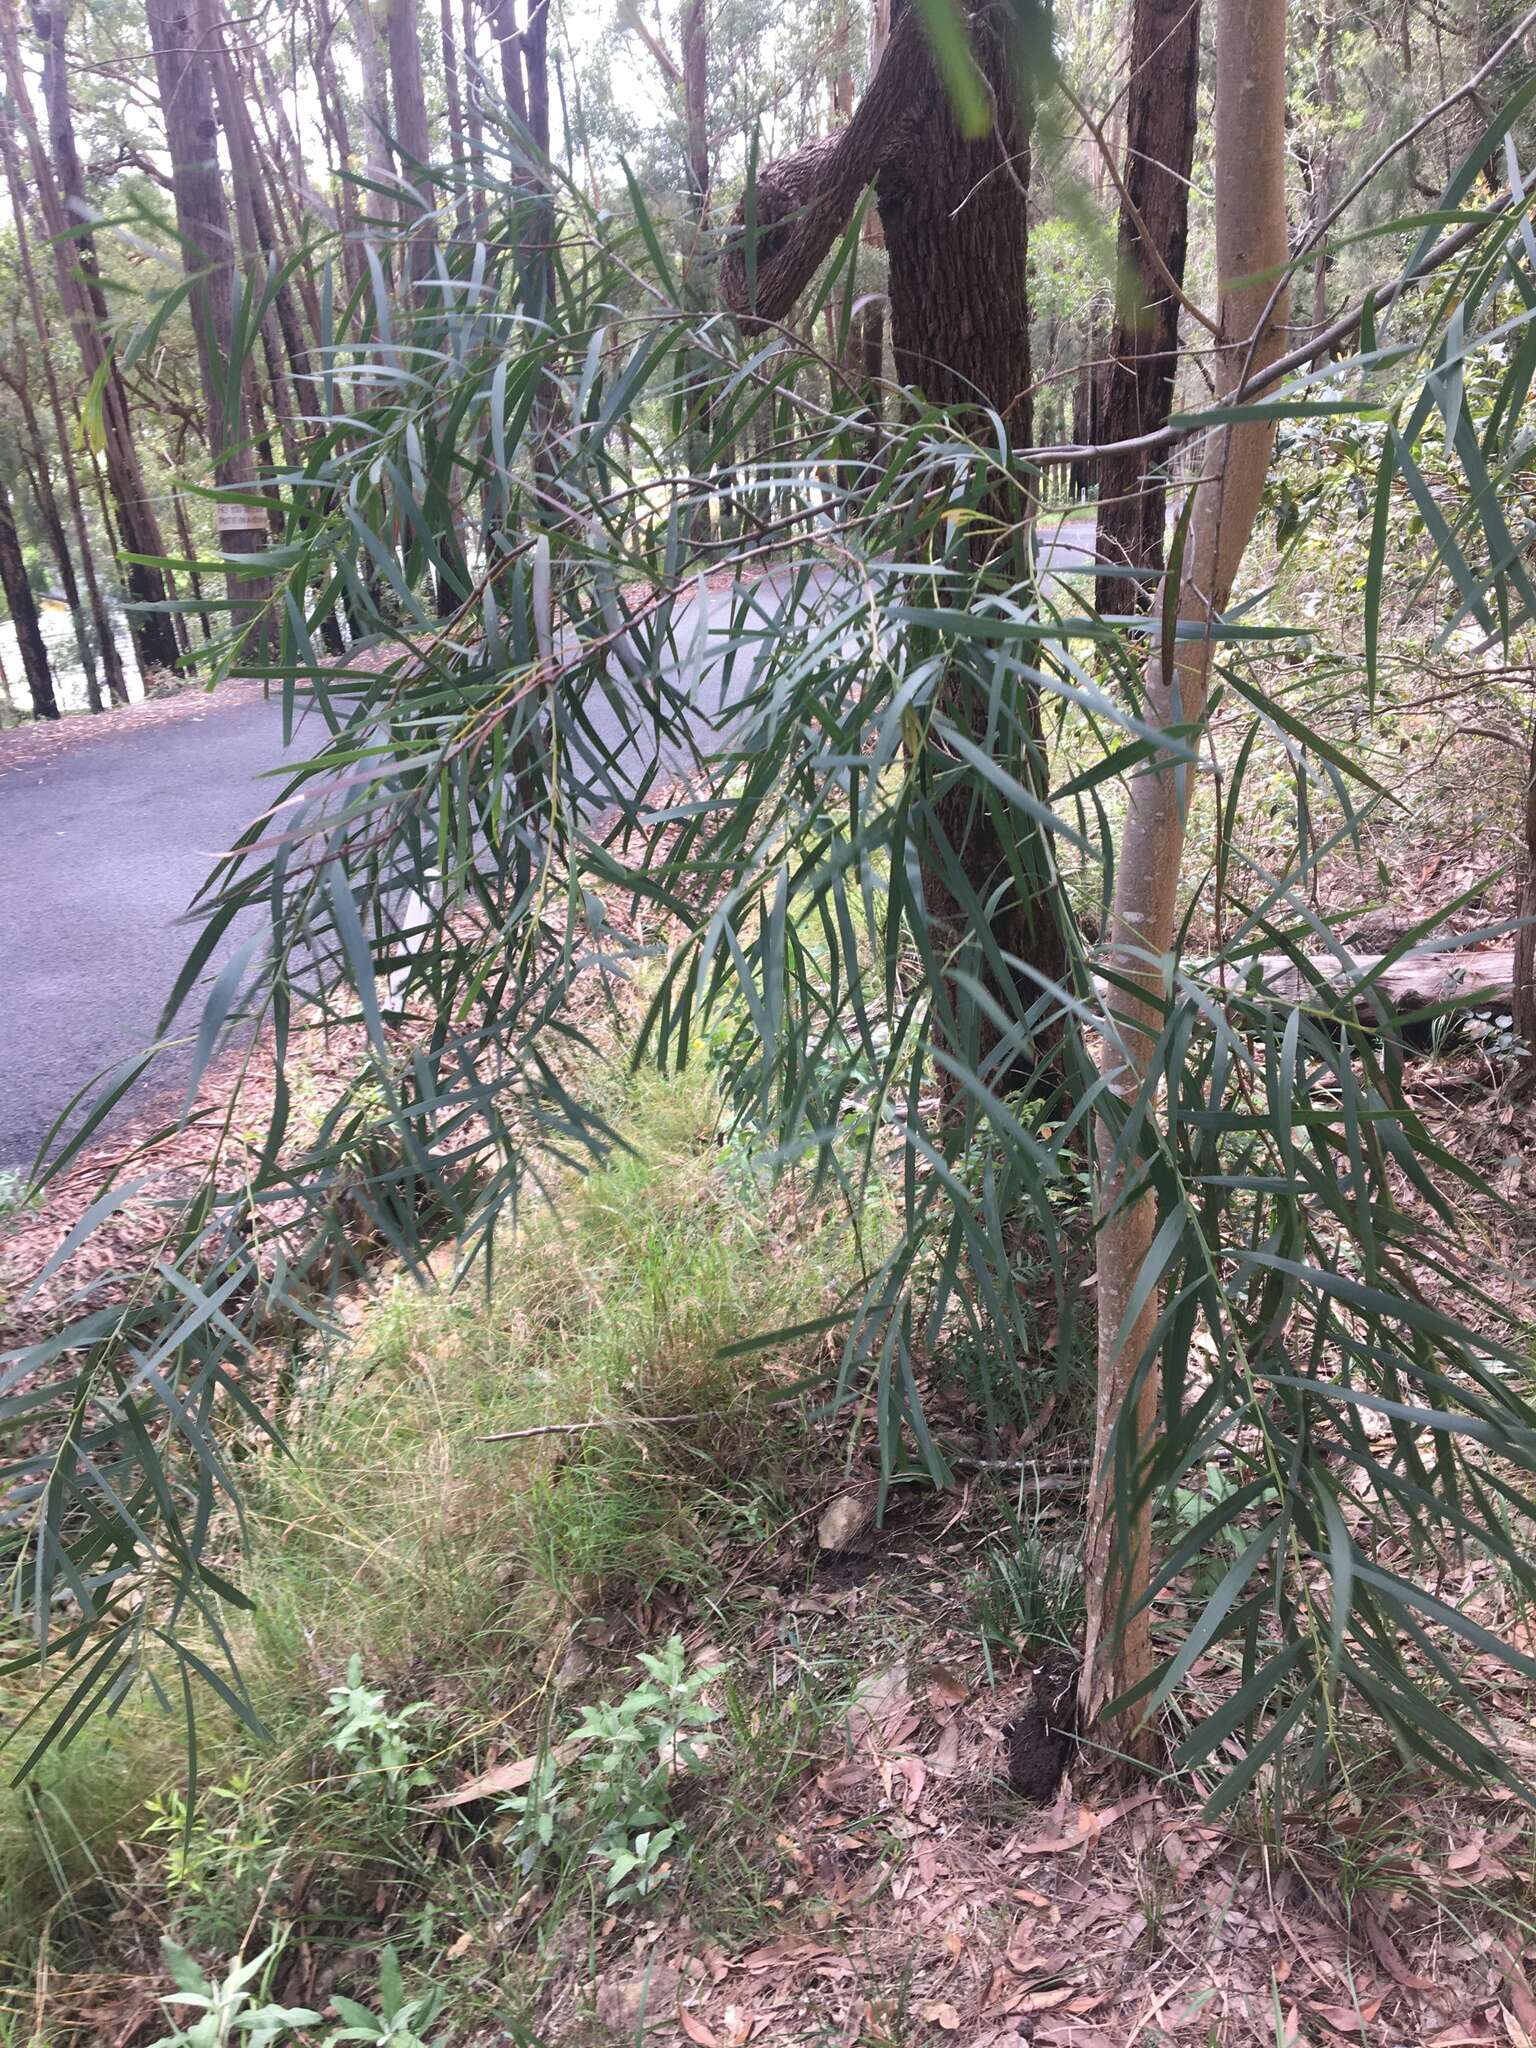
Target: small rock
{"type": "Point", "coordinates": [645, 2003]}
{"type": "Point", "coordinates": [844, 1520]}
{"type": "Point", "coordinates": [574, 1667]}
{"type": "Point", "coordinates": [879, 1708]}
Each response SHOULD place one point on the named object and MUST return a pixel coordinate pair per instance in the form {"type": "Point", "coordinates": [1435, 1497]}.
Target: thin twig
{"type": "Point", "coordinates": [1133, 213]}
{"type": "Point", "coordinates": [509, 1436]}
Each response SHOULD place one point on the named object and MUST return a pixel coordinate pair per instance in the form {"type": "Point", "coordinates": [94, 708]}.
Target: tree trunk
{"type": "Point", "coordinates": [869, 326]}
{"type": "Point", "coordinates": [282, 335]}
{"type": "Point", "coordinates": [509, 45]}
{"type": "Point", "coordinates": [61, 199]}
{"type": "Point", "coordinates": [189, 554]}
{"type": "Point", "coordinates": [1325, 167]}
{"type": "Point", "coordinates": [473, 118]}
{"type": "Point", "coordinates": [339, 154]}
{"type": "Point", "coordinates": [246, 184]}
{"type": "Point", "coordinates": [35, 464]}
{"type": "Point", "coordinates": [454, 85]}
{"type": "Point", "coordinates": [1251, 250]}
{"type": "Point", "coordinates": [1136, 392]}
{"type": "Point", "coordinates": [101, 622]}
{"type": "Point", "coordinates": [955, 217]}
{"type": "Point", "coordinates": [954, 211]}
{"type": "Point", "coordinates": [286, 188]}
{"type": "Point", "coordinates": [23, 608]}
{"type": "Point", "coordinates": [411, 132]}
{"type": "Point", "coordinates": [536, 68]}
{"type": "Point", "coordinates": [183, 70]}
{"type": "Point", "coordinates": [379, 160]}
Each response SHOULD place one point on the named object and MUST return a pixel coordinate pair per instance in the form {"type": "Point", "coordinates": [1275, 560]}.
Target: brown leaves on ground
{"type": "Point", "coordinates": [163, 1151]}
{"type": "Point", "coordinates": [45, 739]}
{"type": "Point", "coordinates": [917, 1901]}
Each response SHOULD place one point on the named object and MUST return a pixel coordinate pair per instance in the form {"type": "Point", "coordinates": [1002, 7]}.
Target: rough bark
{"type": "Point", "coordinates": [60, 188]}
{"type": "Point", "coordinates": [953, 209]}
{"type": "Point", "coordinates": [1251, 248]}
{"type": "Point", "coordinates": [23, 610]}
{"type": "Point", "coordinates": [1135, 394]}
{"type": "Point", "coordinates": [183, 71]}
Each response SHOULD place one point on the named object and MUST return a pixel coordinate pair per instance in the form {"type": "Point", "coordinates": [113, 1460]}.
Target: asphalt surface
{"type": "Point", "coordinates": [104, 845]}
{"type": "Point", "coordinates": [102, 848]}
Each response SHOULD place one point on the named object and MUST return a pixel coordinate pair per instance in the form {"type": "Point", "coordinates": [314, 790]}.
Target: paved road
{"type": "Point", "coordinates": [103, 846]}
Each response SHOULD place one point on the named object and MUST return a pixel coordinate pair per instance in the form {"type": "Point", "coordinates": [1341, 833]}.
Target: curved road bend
{"type": "Point", "coordinates": [104, 844]}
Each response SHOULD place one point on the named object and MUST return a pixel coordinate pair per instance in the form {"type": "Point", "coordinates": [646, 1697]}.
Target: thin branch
{"type": "Point", "coordinates": [631, 17]}
{"type": "Point", "coordinates": [1133, 213]}
{"type": "Point", "coordinates": [1260, 381]}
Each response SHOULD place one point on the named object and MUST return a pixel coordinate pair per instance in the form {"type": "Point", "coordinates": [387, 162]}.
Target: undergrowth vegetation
{"type": "Point", "coordinates": [582, 1656]}
{"type": "Point", "coordinates": [435, 1581]}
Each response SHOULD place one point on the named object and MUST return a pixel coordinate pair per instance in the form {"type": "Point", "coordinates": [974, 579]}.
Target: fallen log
{"type": "Point", "coordinates": [1424, 978]}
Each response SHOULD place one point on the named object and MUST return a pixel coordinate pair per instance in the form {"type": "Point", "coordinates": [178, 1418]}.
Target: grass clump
{"type": "Point", "coordinates": [421, 1572]}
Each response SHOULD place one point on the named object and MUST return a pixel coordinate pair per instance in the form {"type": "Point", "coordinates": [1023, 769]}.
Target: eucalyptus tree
{"type": "Point", "coordinates": [1136, 387]}
{"type": "Point", "coordinates": [66, 213]}
{"type": "Point", "coordinates": [584, 771]}
{"type": "Point", "coordinates": [185, 63]}
{"type": "Point", "coordinates": [1141, 939]}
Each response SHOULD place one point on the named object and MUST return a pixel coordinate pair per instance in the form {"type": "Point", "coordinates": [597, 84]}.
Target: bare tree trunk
{"type": "Point", "coordinates": [869, 322]}
{"type": "Point", "coordinates": [411, 132]}
{"type": "Point", "coordinates": [509, 44]}
{"type": "Point", "coordinates": [469, 51]}
{"type": "Point", "coordinates": [536, 67]}
{"type": "Point", "coordinates": [1325, 168]}
{"type": "Point", "coordinates": [1135, 395]}
{"type": "Point", "coordinates": [62, 202]}
{"type": "Point", "coordinates": [338, 133]}
{"type": "Point", "coordinates": [289, 196]}
{"type": "Point", "coordinates": [183, 69]}
{"type": "Point", "coordinates": [1251, 249]}
{"type": "Point", "coordinates": [189, 554]}
{"type": "Point", "coordinates": [379, 159]}
{"type": "Point", "coordinates": [260, 244]}
{"type": "Point", "coordinates": [454, 89]}
{"type": "Point", "coordinates": [24, 617]}
{"type": "Point", "coordinates": [245, 182]}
